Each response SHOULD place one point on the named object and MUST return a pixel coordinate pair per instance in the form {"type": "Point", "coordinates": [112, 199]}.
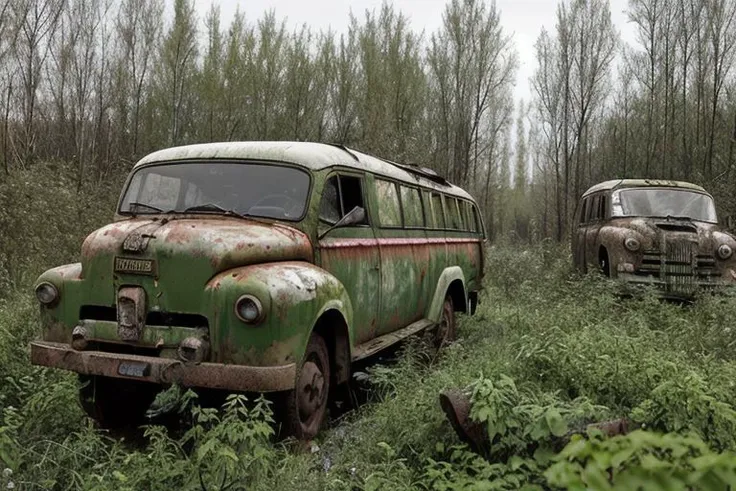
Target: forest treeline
{"type": "Point", "coordinates": [93, 85]}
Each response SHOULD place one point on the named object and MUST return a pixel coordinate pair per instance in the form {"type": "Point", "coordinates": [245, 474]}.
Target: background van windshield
{"type": "Point", "coordinates": [665, 202]}
{"type": "Point", "coordinates": [260, 190]}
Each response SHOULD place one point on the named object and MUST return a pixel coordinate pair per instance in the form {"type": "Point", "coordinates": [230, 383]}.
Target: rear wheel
{"type": "Point", "coordinates": [115, 403]}
{"type": "Point", "coordinates": [306, 405]}
{"type": "Point", "coordinates": [445, 332]}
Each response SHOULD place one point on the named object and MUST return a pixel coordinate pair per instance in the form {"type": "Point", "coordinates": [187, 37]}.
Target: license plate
{"type": "Point", "coordinates": [133, 369]}
{"type": "Point", "coordinates": [135, 266]}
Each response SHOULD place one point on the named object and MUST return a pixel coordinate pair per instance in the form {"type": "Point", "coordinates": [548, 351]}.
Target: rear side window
{"type": "Point", "coordinates": [461, 214]}
{"type": "Point", "coordinates": [453, 214]}
{"type": "Point", "coordinates": [411, 205]}
{"type": "Point", "coordinates": [603, 207]}
{"type": "Point", "coordinates": [389, 209]}
{"type": "Point", "coordinates": [476, 220]}
{"type": "Point", "coordinates": [340, 195]}
{"type": "Point", "coordinates": [439, 216]}
{"type": "Point", "coordinates": [469, 213]}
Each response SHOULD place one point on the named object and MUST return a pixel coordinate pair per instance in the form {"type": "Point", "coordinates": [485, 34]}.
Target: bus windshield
{"type": "Point", "coordinates": [248, 189]}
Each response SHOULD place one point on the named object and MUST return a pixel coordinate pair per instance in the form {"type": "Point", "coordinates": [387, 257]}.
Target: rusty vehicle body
{"type": "Point", "coordinates": [258, 266]}
{"type": "Point", "coordinates": [659, 233]}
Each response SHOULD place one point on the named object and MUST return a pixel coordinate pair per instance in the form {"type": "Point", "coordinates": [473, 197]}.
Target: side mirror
{"type": "Point", "coordinates": [356, 215]}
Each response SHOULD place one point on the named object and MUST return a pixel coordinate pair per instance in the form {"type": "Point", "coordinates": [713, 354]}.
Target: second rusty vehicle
{"type": "Point", "coordinates": [257, 266]}
{"type": "Point", "coordinates": [653, 232]}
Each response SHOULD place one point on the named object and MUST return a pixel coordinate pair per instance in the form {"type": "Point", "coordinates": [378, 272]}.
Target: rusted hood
{"type": "Point", "coordinates": [192, 249]}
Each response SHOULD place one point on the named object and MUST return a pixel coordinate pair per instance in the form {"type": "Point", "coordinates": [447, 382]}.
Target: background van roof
{"type": "Point", "coordinates": [641, 183]}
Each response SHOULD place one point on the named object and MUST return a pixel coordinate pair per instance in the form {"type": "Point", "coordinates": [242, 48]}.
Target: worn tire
{"type": "Point", "coordinates": [115, 403]}
{"type": "Point", "coordinates": [446, 330]}
{"type": "Point", "coordinates": [305, 407]}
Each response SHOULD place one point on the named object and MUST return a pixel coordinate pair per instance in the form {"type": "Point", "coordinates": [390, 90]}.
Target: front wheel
{"type": "Point", "coordinates": [306, 405]}
{"type": "Point", "coordinates": [604, 264]}
{"type": "Point", "coordinates": [115, 403]}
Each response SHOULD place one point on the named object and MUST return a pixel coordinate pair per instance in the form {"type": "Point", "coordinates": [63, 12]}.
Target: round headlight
{"type": "Point", "coordinates": [632, 244]}
{"type": "Point", "coordinates": [248, 309]}
{"type": "Point", "coordinates": [725, 251]}
{"type": "Point", "coordinates": [46, 293]}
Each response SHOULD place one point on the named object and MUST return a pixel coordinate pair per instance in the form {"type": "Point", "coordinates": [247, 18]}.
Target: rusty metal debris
{"type": "Point", "coordinates": [456, 405]}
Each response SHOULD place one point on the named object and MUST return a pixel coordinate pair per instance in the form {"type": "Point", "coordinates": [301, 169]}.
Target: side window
{"type": "Point", "coordinates": [603, 207]}
{"type": "Point", "coordinates": [461, 214]}
{"type": "Point", "coordinates": [329, 209]}
{"type": "Point", "coordinates": [476, 220]}
{"type": "Point", "coordinates": [389, 209]}
{"type": "Point", "coordinates": [439, 216]}
{"type": "Point", "coordinates": [427, 206]}
{"type": "Point", "coordinates": [470, 217]}
{"type": "Point", "coordinates": [592, 208]}
{"type": "Point", "coordinates": [340, 195]}
{"type": "Point", "coordinates": [582, 217]}
{"type": "Point", "coordinates": [467, 217]}
{"type": "Point", "coordinates": [411, 205]}
{"type": "Point", "coordinates": [453, 213]}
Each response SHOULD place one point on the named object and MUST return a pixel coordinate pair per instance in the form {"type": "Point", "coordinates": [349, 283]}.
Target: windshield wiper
{"type": "Point", "coordinates": [209, 207]}
{"type": "Point", "coordinates": [214, 207]}
{"type": "Point", "coordinates": [144, 205]}
{"type": "Point", "coordinates": [224, 211]}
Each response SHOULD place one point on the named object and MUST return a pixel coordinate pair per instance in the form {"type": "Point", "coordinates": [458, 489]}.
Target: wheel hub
{"type": "Point", "coordinates": [443, 328]}
{"type": "Point", "coordinates": [311, 390]}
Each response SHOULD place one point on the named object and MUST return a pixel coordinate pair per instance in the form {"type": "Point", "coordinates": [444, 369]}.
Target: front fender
{"type": "Point", "coordinates": [612, 239]}
{"type": "Point", "coordinates": [58, 319]}
{"type": "Point", "coordinates": [293, 294]}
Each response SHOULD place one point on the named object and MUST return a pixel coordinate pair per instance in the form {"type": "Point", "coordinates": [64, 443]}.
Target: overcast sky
{"type": "Point", "coordinates": [523, 19]}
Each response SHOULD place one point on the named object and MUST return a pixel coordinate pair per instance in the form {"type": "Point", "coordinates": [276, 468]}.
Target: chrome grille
{"type": "Point", "coordinates": [679, 266]}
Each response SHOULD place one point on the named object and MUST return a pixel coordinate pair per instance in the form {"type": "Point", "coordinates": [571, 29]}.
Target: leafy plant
{"type": "Point", "coordinates": [642, 460]}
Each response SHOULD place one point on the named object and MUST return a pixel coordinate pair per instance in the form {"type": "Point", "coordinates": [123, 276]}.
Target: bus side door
{"type": "Point", "coordinates": [351, 253]}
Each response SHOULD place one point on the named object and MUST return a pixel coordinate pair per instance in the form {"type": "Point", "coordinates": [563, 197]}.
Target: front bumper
{"type": "Point", "coordinates": [164, 371]}
{"type": "Point", "coordinates": [676, 288]}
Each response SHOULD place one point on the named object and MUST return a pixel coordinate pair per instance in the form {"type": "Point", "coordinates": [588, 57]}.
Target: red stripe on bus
{"type": "Point", "coordinates": [341, 243]}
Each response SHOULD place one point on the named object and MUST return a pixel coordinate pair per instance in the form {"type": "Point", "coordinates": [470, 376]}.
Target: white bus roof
{"type": "Point", "coordinates": [312, 156]}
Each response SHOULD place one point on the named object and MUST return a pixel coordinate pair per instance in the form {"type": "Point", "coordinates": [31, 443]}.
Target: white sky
{"type": "Point", "coordinates": [522, 18]}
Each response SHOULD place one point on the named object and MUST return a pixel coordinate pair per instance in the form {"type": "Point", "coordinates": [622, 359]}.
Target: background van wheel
{"type": "Point", "coordinates": [305, 407]}
{"type": "Point", "coordinates": [604, 264]}
{"type": "Point", "coordinates": [115, 403]}
{"type": "Point", "coordinates": [445, 332]}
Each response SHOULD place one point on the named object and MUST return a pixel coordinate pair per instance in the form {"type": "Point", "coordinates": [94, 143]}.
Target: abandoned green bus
{"type": "Point", "coordinates": [258, 267]}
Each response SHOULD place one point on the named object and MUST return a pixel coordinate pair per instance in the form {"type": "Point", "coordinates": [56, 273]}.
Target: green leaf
{"type": "Point", "coordinates": [119, 476]}
{"type": "Point", "coordinates": [229, 453]}
{"type": "Point", "coordinates": [557, 425]}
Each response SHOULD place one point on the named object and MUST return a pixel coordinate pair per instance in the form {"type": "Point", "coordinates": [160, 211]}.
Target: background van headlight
{"type": "Point", "coordinates": [632, 244]}
{"type": "Point", "coordinates": [47, 294]}
{"type": "Point", "coordinates": [249, 309]}
{"type": "Point", "coordinates": [725, 251]}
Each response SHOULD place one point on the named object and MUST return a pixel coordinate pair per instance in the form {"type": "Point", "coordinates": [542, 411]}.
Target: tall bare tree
{"type": "Point", "coordinates": [35, 21]}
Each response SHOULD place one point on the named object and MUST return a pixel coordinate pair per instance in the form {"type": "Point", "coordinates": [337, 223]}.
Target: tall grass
{"type": "Point", "coordinates": [546, 352]}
